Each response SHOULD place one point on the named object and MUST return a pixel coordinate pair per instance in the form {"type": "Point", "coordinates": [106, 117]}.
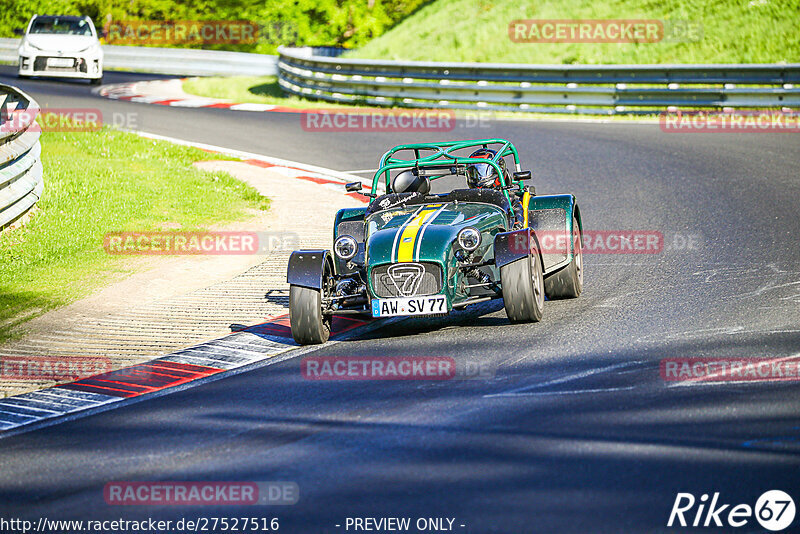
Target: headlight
{"type": "Point", "coordinates": [469, 238]}
{"type": "Point", "coordinates": [345, 247]}
{"type": "Point", "coordinates": [93, 47]}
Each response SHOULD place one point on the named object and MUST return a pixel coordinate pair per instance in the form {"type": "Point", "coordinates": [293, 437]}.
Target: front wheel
{"type": "Point", "coordinates": [96, 81]}
{"type": "Point", "coordinates": [309, 325]}
{"type": "Point", "coordinates": [523, 289]}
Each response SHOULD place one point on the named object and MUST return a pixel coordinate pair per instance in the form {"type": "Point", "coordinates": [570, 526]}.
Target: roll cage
{"type": "Point", "coordinates": [442, 162]}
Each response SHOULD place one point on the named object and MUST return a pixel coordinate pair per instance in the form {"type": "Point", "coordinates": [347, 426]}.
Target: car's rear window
{"type": "Point", "coordinates": [61, 26]}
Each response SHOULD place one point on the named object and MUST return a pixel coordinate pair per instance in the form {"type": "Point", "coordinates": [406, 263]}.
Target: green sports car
{"type": "Point", "coordinates": [411, 252]}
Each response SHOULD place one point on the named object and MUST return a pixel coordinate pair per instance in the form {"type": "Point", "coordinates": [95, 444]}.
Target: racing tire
{"type": "Point", "coordinates": [96, 81]}
{"type": "Point", "coordinates": [309, 325]}
{"type": "Point", "coordinates": [568, 282]}
{"type": "Point", "coordinates": [523, 289]}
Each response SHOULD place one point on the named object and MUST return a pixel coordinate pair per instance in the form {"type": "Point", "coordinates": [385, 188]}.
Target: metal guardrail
{"type": "Point", "coordinates": [546, 88]}
{"type": "Point", "coordinates": [21, 181]}
{"type": "Point", "coordinates": [179, 61]}
{"type": "Point", "coordinates": [319, 74]}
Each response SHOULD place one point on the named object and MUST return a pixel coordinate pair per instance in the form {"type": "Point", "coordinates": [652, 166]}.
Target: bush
{"type": "Point", "coordinates": [345, 23]}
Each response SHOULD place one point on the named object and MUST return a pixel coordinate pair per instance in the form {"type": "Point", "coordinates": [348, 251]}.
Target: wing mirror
{"type": "Point", "coordinates": [353, 187]}
{"type": "Point", "coordinates": [522, 175]}
{"type": "Point", "coordinates": [19, 31]}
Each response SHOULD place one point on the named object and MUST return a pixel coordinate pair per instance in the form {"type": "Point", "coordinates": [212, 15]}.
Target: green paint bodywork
{"type": "Point", "coordinates": [438, 241]}
{"type": "Point", "coordinates": [548, 215]}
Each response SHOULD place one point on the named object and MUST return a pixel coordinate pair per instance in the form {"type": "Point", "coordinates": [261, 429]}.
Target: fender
{"type": "Point", "coordinates": [306, 268]}
{"type": "Point", "coordinates": [512, 246]}
{"type": "Point", "coordinates": [551, 215]}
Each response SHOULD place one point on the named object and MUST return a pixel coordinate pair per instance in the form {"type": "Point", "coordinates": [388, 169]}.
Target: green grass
{"type": "Point", "coordinates": [250, 89]}
{"type": "Point", "coordinates": [97, 183]}
{"type": "Point", "coordinates": [741, 31]}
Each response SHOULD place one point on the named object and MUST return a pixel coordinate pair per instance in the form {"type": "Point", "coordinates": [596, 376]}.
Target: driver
{"type": "Point", "coordinates": [483, 175]}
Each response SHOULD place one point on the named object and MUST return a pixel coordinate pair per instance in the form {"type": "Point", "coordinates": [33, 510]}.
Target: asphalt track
{"type": "Point", "coordinates": [575, 432]}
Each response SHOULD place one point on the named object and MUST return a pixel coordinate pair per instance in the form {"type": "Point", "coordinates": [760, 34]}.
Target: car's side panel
{"type": "Point", "coordinates": [550, 216]}
{"type": "Point", "coordinates": [349, 221]}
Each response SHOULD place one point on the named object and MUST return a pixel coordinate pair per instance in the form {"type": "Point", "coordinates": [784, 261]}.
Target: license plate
{"type": "Point", "coordinates": [409, 306]}
{"type": "Point", "coordinates": [60, 62]}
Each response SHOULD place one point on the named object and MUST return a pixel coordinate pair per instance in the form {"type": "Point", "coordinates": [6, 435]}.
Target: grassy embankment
{"type": "Point", "coordinates": [741, 31]}
{"type": "Point", "coordinates": [755, 31]}
{"type": "Point", "coordinates": [98, 182]}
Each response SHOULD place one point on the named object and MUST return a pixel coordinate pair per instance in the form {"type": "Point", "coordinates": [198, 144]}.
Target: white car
{"type": "Point", "coordinates": [61, 46]}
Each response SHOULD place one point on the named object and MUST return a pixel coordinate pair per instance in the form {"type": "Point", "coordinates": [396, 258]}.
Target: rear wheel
{"type": "Point", "coordinates": [568, 282]}
{"type": "Point", "coordinates": [523, 289]}
{"type": "Point", "coordinates": [96, 81]}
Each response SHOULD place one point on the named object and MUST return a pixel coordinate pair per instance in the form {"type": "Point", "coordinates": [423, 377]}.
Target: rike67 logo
{"type": "Point", "coordinates": [774, 510]}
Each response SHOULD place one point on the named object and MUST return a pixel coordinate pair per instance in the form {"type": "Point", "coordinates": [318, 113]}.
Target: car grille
{"type": "Point", "coordinates": [384, 286]}
{"type": "Point", "coordinates": [40, 64]}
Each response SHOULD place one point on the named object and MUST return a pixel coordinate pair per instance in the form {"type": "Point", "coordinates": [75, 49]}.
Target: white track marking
{"type": "Point", "coordinates": [342, 176]}
{"type": "Point", "coordinates": [253, 107]}
{"type": "Point", "coordinates": [563, 379]}
{"type": "Point", "coordinates": [564, 392]}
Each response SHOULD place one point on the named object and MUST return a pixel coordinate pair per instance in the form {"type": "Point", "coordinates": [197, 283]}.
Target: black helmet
{"type": "Point", "coordinates": [410, 182]}
{"type": "Point", "coordinates": [483, 174]}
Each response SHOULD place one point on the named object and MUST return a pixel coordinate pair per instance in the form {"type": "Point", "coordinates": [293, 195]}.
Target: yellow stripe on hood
{"type": "Point", "coordinates": [405, 249]}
